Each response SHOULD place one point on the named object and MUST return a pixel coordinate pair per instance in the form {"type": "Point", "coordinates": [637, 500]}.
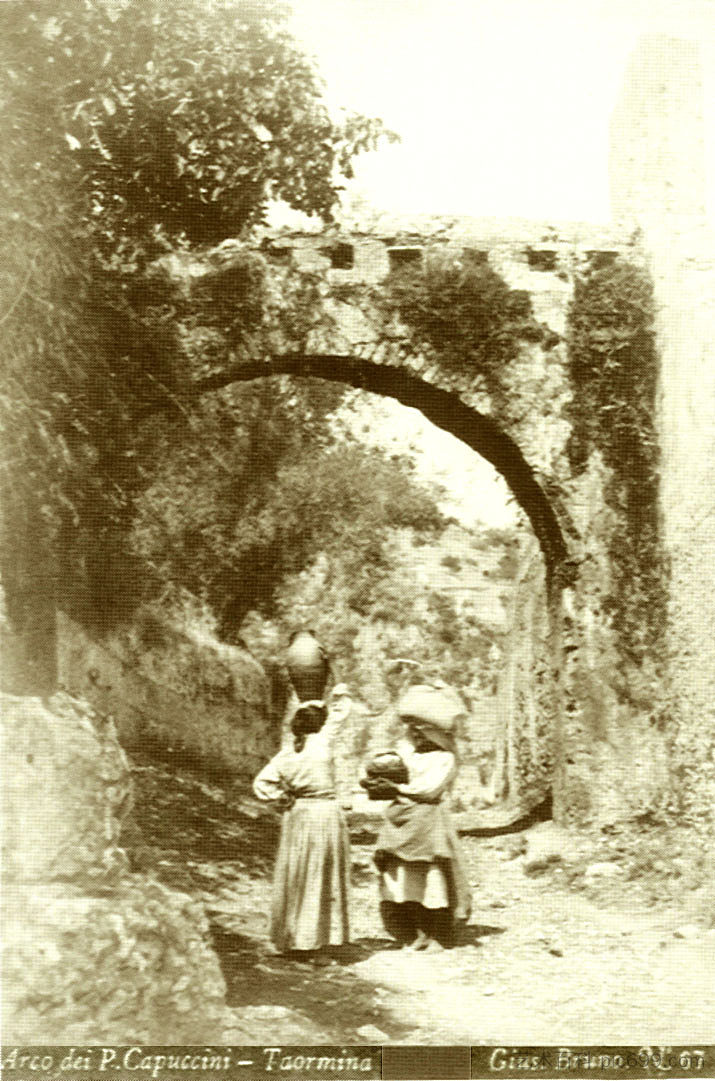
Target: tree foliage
{"type": "Point", "coordinates": [369, 615]}
{"type": "Point", "coordinates": [240, 506]}
{"type": "Point", "coordinates": [134, 131]}
{"type": "Point", "coordinates": [183, 118]}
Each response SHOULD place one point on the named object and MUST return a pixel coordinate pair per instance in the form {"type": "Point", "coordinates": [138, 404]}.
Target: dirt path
{"type": "Point", "coordinates": [543, 961]}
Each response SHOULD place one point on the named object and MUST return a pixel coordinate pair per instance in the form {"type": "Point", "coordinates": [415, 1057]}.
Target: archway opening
{"type": "Point", "coordinates": [443, 408]}
{"type": "Point", "coordinates": [424, 606]}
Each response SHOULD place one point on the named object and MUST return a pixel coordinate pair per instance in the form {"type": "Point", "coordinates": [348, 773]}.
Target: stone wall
{"type": "Point", "coordinates": [178, 693]}
{"type": "Point", "coordinates": [684, 273]}
{"type": "Point", "coordinates": [91, 953]}
{"type": "Point", "coordinates": [659, 148]}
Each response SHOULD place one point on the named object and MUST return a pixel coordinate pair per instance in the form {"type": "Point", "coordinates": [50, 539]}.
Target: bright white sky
{"type": "Point", "coordinates": [502, 105]}
{"type": "Point", "coordinates": [475, 493]}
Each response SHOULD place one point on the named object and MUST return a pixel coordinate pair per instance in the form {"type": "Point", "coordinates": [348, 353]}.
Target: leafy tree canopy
{"type": "Point", "coordinates": [135, 128]}
{"type": "Point", "coordinates": [184, 117]}
{"type": "Point", "coordinates": [254, 493]}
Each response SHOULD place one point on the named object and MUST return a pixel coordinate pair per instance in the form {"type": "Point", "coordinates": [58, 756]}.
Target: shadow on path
{"type": "Point", "coordinates": [333, 997]}
{"type": "Point", "coordinates": [473, 933]}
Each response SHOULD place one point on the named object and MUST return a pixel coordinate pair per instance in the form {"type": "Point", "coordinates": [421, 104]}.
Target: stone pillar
{"type": "Point", "coordinates": [528, 699]}
{"type": "Point", "coordinates": [612, 761]}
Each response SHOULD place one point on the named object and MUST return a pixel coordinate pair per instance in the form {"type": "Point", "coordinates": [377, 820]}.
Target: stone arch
{"type": "Point", "coordinates": [442, 407]}
{"type": "Point", "coordinates": [523, 744]}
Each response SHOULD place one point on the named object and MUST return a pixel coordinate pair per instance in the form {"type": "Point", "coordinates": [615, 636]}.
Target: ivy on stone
{"type": "Point", "coordinates": [613, 369]}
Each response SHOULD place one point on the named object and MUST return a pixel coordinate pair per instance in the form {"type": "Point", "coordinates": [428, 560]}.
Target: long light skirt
{"type": "Point", "coordinates": [311, 882]}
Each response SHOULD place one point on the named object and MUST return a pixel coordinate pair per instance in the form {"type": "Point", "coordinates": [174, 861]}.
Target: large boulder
{"type": "Point", "coordinates": [133, 966]}
{"type": "Point", "coordinates": [92, 953]}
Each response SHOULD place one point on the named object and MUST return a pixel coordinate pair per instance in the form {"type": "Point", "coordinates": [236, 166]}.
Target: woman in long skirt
{"type": "Point", "coordinates": [312, 872]}
{"type": "Point", "coordinates": [424, 886]}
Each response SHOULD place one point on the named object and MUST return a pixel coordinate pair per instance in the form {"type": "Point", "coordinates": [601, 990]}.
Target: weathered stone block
{"type": "Point", "coordinates": [66, 789]}
{"type": "Point", "coordinates": [91, 953]}
{"type": "Point", "coordinates": [134, 966]}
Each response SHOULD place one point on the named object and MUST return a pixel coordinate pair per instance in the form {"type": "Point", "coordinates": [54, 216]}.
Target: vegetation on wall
{"type": "Point", "coordinates": [613, 367]}
{"type": "Point", "coordinates": [460, 310]}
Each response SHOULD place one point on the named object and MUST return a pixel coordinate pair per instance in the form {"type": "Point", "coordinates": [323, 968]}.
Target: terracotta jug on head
{"type": "Point", "coordinates": [308, 666]}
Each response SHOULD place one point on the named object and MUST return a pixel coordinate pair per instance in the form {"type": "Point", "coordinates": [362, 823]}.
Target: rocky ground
{"type": "Point", "coordinates": [598, 939]}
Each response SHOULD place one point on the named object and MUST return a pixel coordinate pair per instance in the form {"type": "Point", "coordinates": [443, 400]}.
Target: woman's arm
{"type": "Point", "coordinates": [269, 785]}
{"type": "Point", "coordinates": [430, 775]}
